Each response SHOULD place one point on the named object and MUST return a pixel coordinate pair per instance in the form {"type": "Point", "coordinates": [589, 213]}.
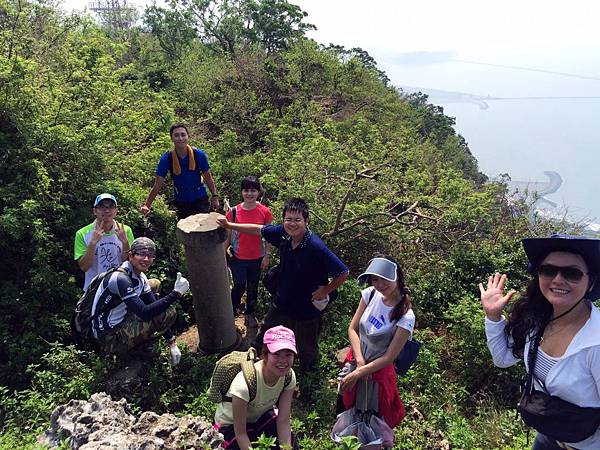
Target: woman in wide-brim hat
{"type": "Point", "coordinates": [555, 316]}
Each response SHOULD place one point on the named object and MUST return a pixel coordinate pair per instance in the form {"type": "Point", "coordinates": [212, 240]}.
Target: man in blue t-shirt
{"type": "Point", "coordinates": [188, 166]}
{"type": "Point", "coordinates": [304, 287]}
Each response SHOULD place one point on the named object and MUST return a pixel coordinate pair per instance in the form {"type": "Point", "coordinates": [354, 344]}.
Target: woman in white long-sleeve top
{"type": "Point", "coordinates": [555, 329]}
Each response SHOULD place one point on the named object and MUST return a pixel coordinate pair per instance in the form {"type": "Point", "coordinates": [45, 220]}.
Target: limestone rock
{"type": "Point", "coordinates": [179, 432]}
{"type": "Point", "coordinates": [104, 424]}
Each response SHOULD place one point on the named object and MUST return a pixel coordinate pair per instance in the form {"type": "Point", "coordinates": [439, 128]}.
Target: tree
{"type": "Point", "coordinates": [361, 55]}
{"type": "Point", "coordinates": [230, 25]}
{"type": "Point", "coordinates": [173, 28]}
{"type": "Point", "coordinates": [276, 24]}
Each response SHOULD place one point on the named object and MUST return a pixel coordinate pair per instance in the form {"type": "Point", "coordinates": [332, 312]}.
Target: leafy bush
{"type": "Point", "coordinates": [64, 373]}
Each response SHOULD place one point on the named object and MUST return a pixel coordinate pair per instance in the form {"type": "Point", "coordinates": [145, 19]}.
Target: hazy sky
{"type": "Point", "coordinates": [449, 48]}
{"type": "Point", "coordinates": [459, 51]}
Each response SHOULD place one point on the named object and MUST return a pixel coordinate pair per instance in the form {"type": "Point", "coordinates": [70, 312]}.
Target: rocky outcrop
{"type": "Point", "coordinates": [102, 424]}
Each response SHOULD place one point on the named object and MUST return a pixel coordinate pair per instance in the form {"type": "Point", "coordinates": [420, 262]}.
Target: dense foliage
{"type": "Point", "coordinates": [85, 109]}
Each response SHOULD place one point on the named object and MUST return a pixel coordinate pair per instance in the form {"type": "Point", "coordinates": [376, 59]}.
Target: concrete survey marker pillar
{"type": "Point", "coordinates": [203, 241]}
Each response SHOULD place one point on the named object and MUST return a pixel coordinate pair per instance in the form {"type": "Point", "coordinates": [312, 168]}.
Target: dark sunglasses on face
{"type": "Point", "coordinates": [572, 274]}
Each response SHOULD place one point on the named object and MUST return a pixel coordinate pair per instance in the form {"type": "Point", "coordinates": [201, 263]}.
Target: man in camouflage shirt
{"type": "Point", "coordinates": [131, 313]}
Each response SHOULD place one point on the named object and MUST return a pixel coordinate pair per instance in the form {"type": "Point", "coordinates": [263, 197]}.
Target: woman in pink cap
{"type": "Point", "coordinates": [243, 420]}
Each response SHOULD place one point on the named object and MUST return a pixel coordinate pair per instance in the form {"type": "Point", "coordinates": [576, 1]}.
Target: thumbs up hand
{"type": "Point", "coordinates": [182, 285]}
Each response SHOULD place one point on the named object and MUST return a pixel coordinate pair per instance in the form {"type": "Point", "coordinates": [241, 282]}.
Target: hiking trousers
{"type": "Point", "coordinates": [184, 209]}
{"type": "Point", "coordinates": [246, 275]}
{"type": "Point", "coordinates": [266, 424]}
{"type": "Point", "coordinates": [134, 331]}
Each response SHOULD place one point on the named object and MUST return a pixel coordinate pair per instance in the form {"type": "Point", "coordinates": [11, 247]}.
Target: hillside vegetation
{"type": "Point", "coordinates": [85, 109]}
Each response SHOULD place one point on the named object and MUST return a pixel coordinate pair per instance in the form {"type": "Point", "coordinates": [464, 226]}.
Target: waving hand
{"type": "Point", "coordinates": [493, 298]}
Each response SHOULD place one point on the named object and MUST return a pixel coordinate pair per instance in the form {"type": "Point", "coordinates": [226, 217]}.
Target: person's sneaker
{"type": "Point", "coordinates": [250, 321]}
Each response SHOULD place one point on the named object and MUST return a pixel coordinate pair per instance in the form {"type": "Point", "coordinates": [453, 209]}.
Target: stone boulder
{"type": "Point", "coordinates": [102, 424]}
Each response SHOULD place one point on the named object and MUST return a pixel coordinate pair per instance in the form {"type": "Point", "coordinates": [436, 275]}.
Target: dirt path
{"type": "Point", "coordinates": [190, 336]}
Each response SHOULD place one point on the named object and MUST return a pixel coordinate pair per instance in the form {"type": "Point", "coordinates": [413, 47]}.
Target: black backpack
{"type": "Point", "coordinates": [81, 321]}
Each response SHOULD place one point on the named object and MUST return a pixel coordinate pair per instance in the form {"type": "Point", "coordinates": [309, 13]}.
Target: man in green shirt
{"type": "Point", "coordinates": [104, 243]}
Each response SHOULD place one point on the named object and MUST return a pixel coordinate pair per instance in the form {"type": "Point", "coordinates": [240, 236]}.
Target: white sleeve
{"type": "Point", "coordinates": [144, 281]}
{"type": "Point", "coordinates": [594, 358]}
{"type": "Point", "coordinates": [407, 321]}
{"type": "Point", "coordinates": [239, 388]}
{"type": "Point", "coordinates": [498, 344]}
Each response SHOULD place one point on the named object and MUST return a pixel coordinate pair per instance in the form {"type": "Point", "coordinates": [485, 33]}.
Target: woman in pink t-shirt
{"type": "Point", "coordinates": [249, 252]}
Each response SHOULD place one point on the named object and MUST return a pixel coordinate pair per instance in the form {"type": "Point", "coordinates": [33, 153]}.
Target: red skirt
{"type": "Point", "coordinates": [391, 408]}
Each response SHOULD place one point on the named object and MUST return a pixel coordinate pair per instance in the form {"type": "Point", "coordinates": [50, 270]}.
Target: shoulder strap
{"type": "Point", "coordinates": [288, 379]}
{"type": "Point", "coordinates": [196, 154]}
{"type": "Point", "coordinates": [286, 383]}
{"type": "Point", "coordinates": [195, 150]}
{"type": "Point", "coordinates": [280, 247]}
{"type": "Point", "coordinates": [531, 358]}
{"type": "Point", "coordinates": [371, 295]}
{"type": "Point", "coordinates": [249, 372]}
{"type": "Point", "coordinates": [234, 213]}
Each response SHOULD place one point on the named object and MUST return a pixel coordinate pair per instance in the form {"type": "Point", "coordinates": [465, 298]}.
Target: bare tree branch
{"type": "Point", "coordinates": [365, 173]}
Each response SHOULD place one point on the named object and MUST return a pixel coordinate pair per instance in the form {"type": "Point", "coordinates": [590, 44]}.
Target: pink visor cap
{"type": "Point", "coordinates": [279, 338]}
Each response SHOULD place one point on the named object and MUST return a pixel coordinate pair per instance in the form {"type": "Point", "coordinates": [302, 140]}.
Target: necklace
{"type": "Point", "coordinates": [554, 330]}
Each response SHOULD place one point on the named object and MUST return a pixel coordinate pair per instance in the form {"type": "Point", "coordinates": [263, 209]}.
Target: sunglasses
{"type": "Point", "coordinates": [143, 255]}
{"type": "Point", "coordinates": [572, 274]}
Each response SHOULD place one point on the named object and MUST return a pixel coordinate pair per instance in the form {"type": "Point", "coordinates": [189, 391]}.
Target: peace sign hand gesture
{"type": "Point", "coordinates": [120, 232]}
{"type": "Point", "coordinates": [98, 234]}
{"type": "Point", "coordinates": [493, 299]}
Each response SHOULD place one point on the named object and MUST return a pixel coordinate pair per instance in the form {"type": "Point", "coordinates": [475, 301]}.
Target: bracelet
{"type": "Point", "coordinates": [214, 194]}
